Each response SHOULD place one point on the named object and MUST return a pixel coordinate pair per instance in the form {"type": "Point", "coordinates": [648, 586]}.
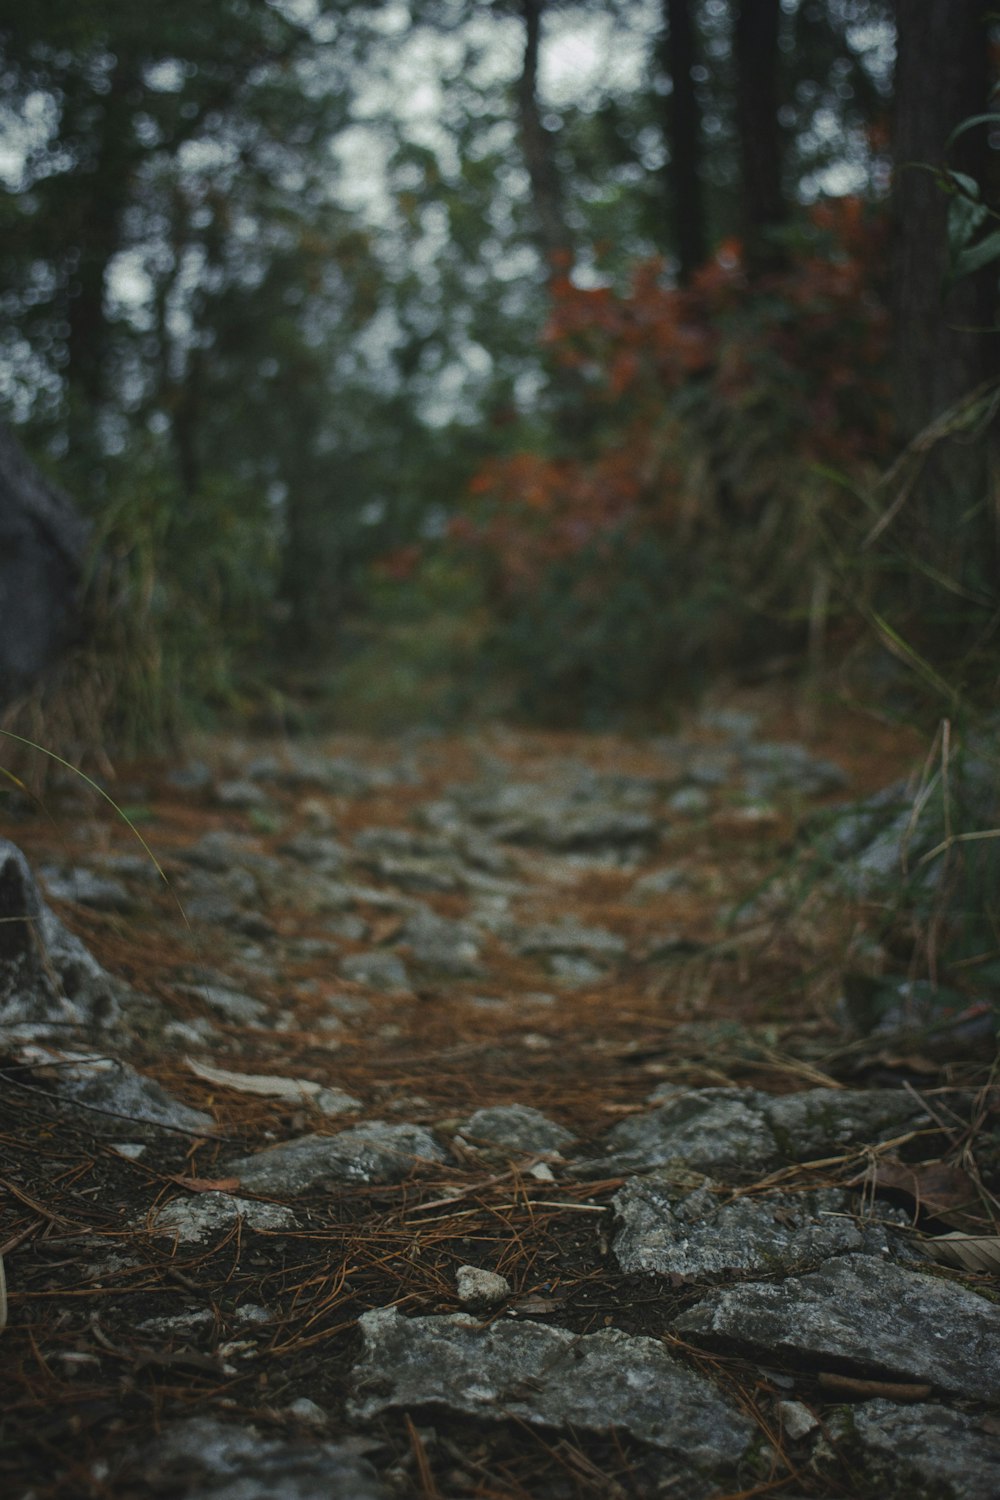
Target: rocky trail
{"type": "Point", "coordinates": [480, 1116]}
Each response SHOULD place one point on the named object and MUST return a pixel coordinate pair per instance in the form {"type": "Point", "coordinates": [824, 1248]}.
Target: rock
{"type": "Point", "coordinates": [220, 851]}
{"type": "Point", "coordinates": [319, 852]}
{"type": "Point", "coordinates": [546, 1376]}
{"type": "Point", "coordinates": [232, 1004]}
{"type": "Point", "coordinates": [519, 1126]}
{"type": "Point", "coordinates": [674, 1231]}
{"type": "Point", "coordinates": [381, 971]}
{"type": "Point", "coordinates": [190, 1220]}
{"type": "Point", "coordinates": [569, 937]}
{"type": "Point", "coordinates": [113, 1091]}
{"type": "Point", "coordinates": [83, 886]}
{"type": "Point", "coordinates": [573, 972]}
{"type": "Point", "coordinates": [740, 1133]}
{"type": "Point", "coordinates": [658, 883]}
{"type": "Point", "coordinates": [912, 1451]}
{"type": "Point", "coordinates": [47, 977]}
{"type": "Point", "coordinates": [214, 1460]}
{"type": "Point", "coordinates": [43, 554]}
{"type": "Point", "coordinates": [772, 766]}
{"type": "Point", "coordinates": [797, 1421]}
{"type": "Point", "coordinates": [373, 1152]}
{"type": "Point", "coordinates": [576, 814]}
{"type": "Point", "coordinates": [441, 945]}
{"type": "Point", "coordinates": [240, 795]}
{"type": "Point", "coordinates": [879, 1321]}
{"type": "Point", "coordinates": [689, 801]}
{"type": "Point", "coordinates": [480, 1289]}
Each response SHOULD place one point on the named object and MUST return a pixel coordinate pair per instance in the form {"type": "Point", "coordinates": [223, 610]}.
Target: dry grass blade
{"type": "Point", "coordinates": [969, 1252]}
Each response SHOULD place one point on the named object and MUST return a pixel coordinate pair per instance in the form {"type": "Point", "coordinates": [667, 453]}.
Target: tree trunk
{"type": "Point", "coordinates": [683, 132]}
{"type": "Point", "coordinates": [941, 350]}
{"type": "Point", "coordinates": [764, 208]}
{"type": "Point", "coordinates": [554, 238]}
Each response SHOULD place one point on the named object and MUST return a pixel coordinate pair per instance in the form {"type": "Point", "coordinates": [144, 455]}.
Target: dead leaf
{"type": "Point", "coordinates": [888, 1390]}
{"type": "Point", "coordinates": [270, 1086]}
{"type": "Point", "coordinates": [935, 1186]}
{"type": "Point", "coordinates": [969, 1252]}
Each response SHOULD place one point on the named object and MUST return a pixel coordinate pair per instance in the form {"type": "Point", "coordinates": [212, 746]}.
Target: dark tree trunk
{"type": "Point", "coordinates": [683, 131]}
{"type": "Point", "coordinates": [95, 233]}
{"type": "Point", "coordinates": [940, 349]}
{"type": "Point", "coordinates": [537, 143]}
{"type": "Point", "coordinates": [755, 45]}
{"type": "Point", "coordinates": [43, 545]}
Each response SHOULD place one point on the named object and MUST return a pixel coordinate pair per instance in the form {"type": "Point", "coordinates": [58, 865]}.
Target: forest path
{"type": "Point", "coordinates": [540, 1006]}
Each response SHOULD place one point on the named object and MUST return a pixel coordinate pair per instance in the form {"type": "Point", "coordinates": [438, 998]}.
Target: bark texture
{"type": "Point", "coordinates": [683, 128]}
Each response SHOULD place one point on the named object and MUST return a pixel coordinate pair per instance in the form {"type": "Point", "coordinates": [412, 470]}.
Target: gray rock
{"type": "Point", "coordinates": [716, 1131]}
{"type": "Point", "coordinates": [47, 976]}
{"type": "Point", "coordinates": [208, 1460]}
{"type": "Point", "coordinates": [372, 1152]}
{"type": "Point", "coordinates": [318, 851]}
{"type": "Point", "coordinates": [772, 766]}
{"type": "Point", "coordinates": [739, 1133]}
{"type": "Point", "coordinates": [190, 1220]}
{"type": "Point", "coordinates": [517, 1125]}
{"type": "Point", "coordinates": [240, 795]}
{"type": "Point", "coordinates": [232, 1004]}
{"type": "Point", "coordinates": [115, 1091]}
{"type": "Point", "coordinates": [83, 886]}
{"type": "Point", "coordinates": [480, 1289]}
{"type": "Point", "coordinates": [672, 1231]}
{"type": "Point", "coordinates": [220, 850]}
{"type": "Point", "coordinates": [542, 1375]}
{"type": "Point", "coordinates": [382, 971]}
{"type": "Point", "coordinates": [689, 801]}
{"type": "Point", "coordinates": [913, 1451]}
{"type": "Point", "coordinates": [572, 971]}
{"type": "Point", "coordinates": [570, 937]}
{"type": "Point", "coordinates": [878, 1320]}
{"type": "Point", "coordinates": [658, 883]}
{"type": "Point", "coordinates": [44, 548]}
{"type": "Point", "coordinates": [797, 1421]}
{"type": "Point", "coordinates": [441, 945]}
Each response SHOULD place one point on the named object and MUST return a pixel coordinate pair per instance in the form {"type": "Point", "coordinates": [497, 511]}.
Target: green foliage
{"type": "Point", "coordinates": [182, 597]}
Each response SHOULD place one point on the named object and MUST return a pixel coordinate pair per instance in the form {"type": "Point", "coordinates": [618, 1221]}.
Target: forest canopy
{"type": "Point", "coordinates": [573, 349]}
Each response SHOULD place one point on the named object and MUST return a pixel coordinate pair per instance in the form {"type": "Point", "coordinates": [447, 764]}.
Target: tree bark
{"type": "Point", "coordinates": [554, 238]}
{"type": "Point", "coordinates": [683, 132]}
{"type": "Point", "coordinates": [755, 44]}
{"type": "Point", "coordinates": [941, 349]}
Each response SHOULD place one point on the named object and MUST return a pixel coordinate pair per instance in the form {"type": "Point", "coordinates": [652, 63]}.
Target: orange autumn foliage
{"type": "Point", "coordinates": [789, 370]}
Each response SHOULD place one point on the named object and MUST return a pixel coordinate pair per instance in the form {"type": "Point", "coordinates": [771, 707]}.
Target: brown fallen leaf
{"type": "Point", "coordinates": [969, 1252]}
{"type": "Point", "coordinates": [889, 1390]}
{"type": "Point", "coordinates": [207, 1184]}
{"type": "Point", "coordinates": [937, 1187]}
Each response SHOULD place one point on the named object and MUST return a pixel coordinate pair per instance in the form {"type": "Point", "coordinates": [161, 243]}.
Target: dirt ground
{"type": "Point", "coordinates": [696, 1003]}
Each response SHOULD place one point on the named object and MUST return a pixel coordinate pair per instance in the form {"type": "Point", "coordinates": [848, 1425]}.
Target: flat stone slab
{"type": "Point", "coordinates": [548, 1377]}
{"type": "Point", "coordinates": [675, 1231]}
{"type": "Point", "coordinates": [741, 1133]}
{"type": "Point", "coordinates": [373, 1152]}
{"type": "Point", "coordinates": [879, 1321]}
{"type": "Point", "coordinates": [224, 1461]}
{"type": "Point", "coordinates": [917, 1450]}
